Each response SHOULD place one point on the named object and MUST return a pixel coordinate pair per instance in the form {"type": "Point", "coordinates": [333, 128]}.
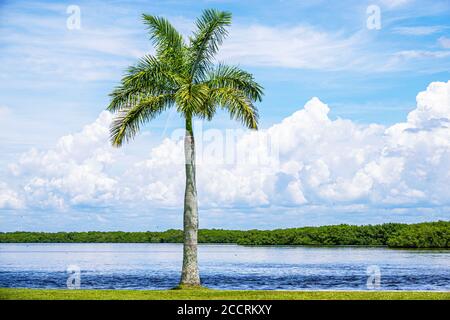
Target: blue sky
{"type": "Point", "coordinates": [55, 81]}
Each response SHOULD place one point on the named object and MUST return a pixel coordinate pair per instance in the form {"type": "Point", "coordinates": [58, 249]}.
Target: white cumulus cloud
{"type": "Point", "coordinates": [73, 172]}
{"type": "Point", "coordinates": [317, 161]}
{"type": "Point", "coordinates": [9, 199]}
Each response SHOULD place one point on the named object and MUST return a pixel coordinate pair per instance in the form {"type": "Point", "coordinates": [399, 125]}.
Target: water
{"type": "Point", "coordinates": [157, 266]}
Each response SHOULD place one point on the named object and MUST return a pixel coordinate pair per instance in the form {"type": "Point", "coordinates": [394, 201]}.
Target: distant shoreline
{"type": "Point", "coordinates": [253, 246]}
{"type": "Point", "coordinates": [393, 235]}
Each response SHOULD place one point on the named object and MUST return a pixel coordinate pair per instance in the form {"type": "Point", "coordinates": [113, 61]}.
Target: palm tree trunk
{"type": "Point", "coordinates": [189, 274]}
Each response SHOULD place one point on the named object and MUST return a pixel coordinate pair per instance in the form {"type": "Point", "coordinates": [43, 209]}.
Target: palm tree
{"type": "Point", "coordinates": [183, 75]}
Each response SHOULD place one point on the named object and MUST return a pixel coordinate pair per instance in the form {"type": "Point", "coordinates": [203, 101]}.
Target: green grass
{"type": "Point", "coordinates": [208, 294]}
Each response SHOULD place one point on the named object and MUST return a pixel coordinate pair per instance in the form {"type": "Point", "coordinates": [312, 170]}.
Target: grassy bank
{"type": "Point", "coordinates": [420, 235]}
{"type": "Point", "coordinates": [199, 294]}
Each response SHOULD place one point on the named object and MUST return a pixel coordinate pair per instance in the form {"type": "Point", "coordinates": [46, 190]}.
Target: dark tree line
{"type": "Point", "coordinates": [420, 235]}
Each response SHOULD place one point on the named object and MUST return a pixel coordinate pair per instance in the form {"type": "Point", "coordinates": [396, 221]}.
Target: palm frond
{"type": "Point", "coordinates": [164, 36]}
{"type": "Point", "coordinates": [149, 76]}
{"type": "Point", "coordinates": [211, 30]}
{"type": "Point", "coordinates": [238, 105]}
{"type": "Point", "coordinates": [192, 99]}
{"type": "Point", "coordinates": [127, 122]}
{"type": "Point", "coordinates": [224, 76]}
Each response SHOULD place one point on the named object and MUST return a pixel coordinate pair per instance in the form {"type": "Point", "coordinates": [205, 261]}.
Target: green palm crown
{"type": "Point", "coordinates": [184, 75]}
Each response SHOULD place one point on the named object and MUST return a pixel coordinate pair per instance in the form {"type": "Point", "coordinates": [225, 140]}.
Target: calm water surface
{"type": "Point", "coordinates": [157, 266]}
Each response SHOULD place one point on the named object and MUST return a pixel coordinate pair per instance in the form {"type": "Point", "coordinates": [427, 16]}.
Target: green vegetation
{"type": "Point", "coordinates": [421, 235]}
{"type": "Point", "coordinates": [207, 294]}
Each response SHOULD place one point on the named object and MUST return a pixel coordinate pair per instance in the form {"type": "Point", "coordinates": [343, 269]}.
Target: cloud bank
{"type": "Point", "coordinates": [318, 161]}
